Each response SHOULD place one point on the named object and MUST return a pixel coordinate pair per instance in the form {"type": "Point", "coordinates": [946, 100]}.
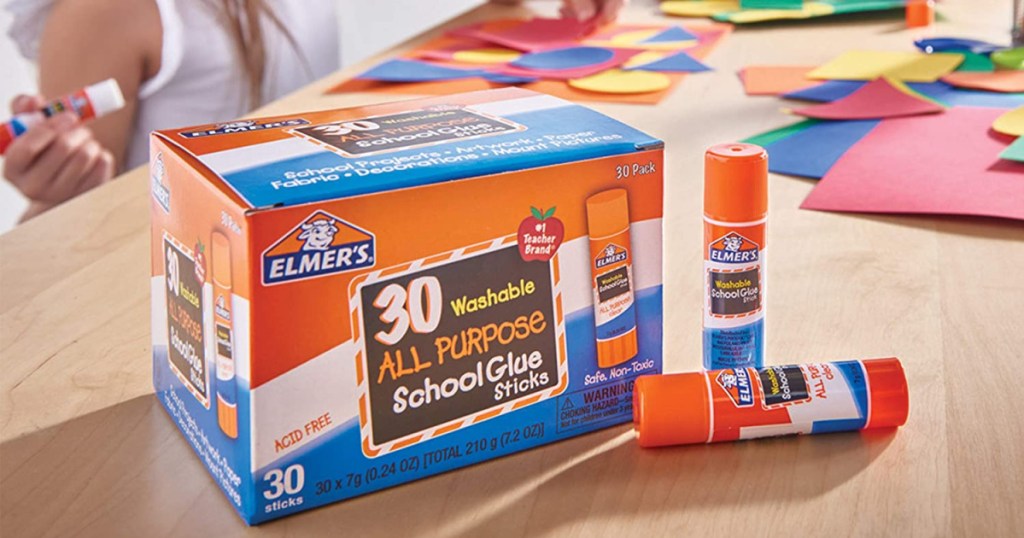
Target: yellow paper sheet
{"type": "Point", "coordinates": [810, 9]}
{"type": "Point", "coordinates": [905, 66]}
{"type": "Point", "coordinates": [686, 8]}
{"type": "Point", "coordinates": [1011, 123]}
{"type": "Point", "coordinates": [486, 56]}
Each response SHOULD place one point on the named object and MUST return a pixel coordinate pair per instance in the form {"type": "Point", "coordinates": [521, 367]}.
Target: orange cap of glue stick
{"type": "Point", "coordinates": [736, 182]}
{"type": "Point", "coordinates": [678, 409]}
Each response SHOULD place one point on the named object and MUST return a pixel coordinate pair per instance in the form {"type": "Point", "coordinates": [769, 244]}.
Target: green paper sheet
{"type": "Point", "coordinates": [772, 4]}
{"type": "Point", "coordinates": [1015, 151]}
{"type": "Point", "coordinates": [976, 62]}
{"type": "Point", "coordinates": [764, 139]}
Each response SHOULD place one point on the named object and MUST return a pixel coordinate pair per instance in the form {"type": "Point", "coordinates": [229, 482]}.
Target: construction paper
{"type": "Point", "coordinates": [807, 11]}
{"type": "Point", "coordinates": [567, 58]}
{"type": "Point", "coordinates": [508, 79]}
{"type": "Point", "coordinates": [1009, 58]}
{"type": "Point", "coordinates": [674, 34]}
{"type": "Point", "coordinates": [659, 37]}
{"type": "Point", "coordinates": [905, 66]}
{"type": "Point", "coordinates": [775, 80]}
{"type": "Point", "coordinates": [679, 62]}
{"type": "Point", "coordinates": [1010, 123]}
{"type": "Point", "coordinates": [942, 164]}
{"type": "Point", "coordinates": [1015, 151]}
{"type": "Point", "coordinates": [976, 62]}
{"type": "Point", "coordinates": [877, 99]}
{"type": "Point", "coordinates": [956, 44]}
{"type": "Point", "coordinates": [486, 56]}
{"type": "Point", "coordinates": [827, 91]}
{"type": "Point", "coordinates": [689, 8]}
{"type": "Point", "coordinates": [645, 57]}
{"type": "Point", "coordinates": [998, 81]}
{"type": "Point", "coordinates": [708, 36]}
{"type": "Point", "coordinates": [619, 81]}
{"type": "Point", "coordinates": [764, 139]}
{"type": "Point", "coordinates": [772, 4]}
{"type": "Point", "coordinates": [415, 71]}
{"type": "Point", "coordinates": [617, 58]}
{"type": "Point", "coordinates": [811, 152]}
{"type": "Point", "coordinates": [532, 35]}
{"type": "Point", "coordinates": [830, 90]}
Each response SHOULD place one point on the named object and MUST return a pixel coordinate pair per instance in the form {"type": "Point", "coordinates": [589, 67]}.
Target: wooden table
{"type": "Point", "coordinates": [86, 450]}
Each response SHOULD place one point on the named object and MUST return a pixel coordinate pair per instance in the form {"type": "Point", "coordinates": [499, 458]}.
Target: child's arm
{"type": "Point", "coordinates": [90, 40]}
{"type": "Point", "coordinates": [84, 41]}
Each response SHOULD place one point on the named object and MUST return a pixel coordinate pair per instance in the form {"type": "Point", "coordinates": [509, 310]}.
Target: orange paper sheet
{"type": "Point", "coordinates": [999, 81]}
{"type": "Point", "coordinates": [709, 36]}
{"type": "Point", "coordinates": [776, 79]}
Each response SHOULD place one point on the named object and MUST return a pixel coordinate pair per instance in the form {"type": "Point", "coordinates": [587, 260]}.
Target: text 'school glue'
{"type": "Point", "coordinates": [88, 103]}
{"type": "Point", "coordinates": [611, 257]}
{"type": "Point", "coordinates": [735, 211]}
{"type": "Point", "coordinates": [747, 403]}
{"type": "Point", "coordinates": [227, 391]}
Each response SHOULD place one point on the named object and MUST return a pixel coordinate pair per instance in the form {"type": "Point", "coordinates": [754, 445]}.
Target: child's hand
{"type": "Point", "coordinates": [55, 160]}
{"type": "Point", "coordinates": [604, 10]}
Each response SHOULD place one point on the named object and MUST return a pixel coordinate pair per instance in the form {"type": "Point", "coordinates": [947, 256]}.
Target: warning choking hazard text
{"type": "Point", "coordinates": [595, 405]}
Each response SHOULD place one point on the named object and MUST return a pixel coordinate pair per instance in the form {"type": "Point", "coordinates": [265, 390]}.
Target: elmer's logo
{"type": "Point", "coordinates": [736, 384]}
{"type": "Point", "coordinates": [611, 254]}
{"type": "Point", "coordinates": [320, 245]}
{"type": "Point", "coordinates": [243, 126]}
{"type": "Point", "coordinates": [733, 248]}
{"type": "Point", "coordinates": [161, 193]}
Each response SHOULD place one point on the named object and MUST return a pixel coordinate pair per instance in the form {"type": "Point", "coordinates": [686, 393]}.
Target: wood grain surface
{"type": "Point", "coordinates": [85, 449]}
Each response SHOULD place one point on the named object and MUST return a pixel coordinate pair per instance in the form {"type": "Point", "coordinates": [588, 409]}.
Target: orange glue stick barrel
{"type": "Point", "coordinates": [735, 212]}
{"type": "Point", "coordinates": [227, 391]}
{"type": "Point", "coordinates": [611, 265]}
{"type": "Point", "coordinates": [748, 403]}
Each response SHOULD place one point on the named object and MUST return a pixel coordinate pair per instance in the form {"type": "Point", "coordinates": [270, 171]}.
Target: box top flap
{"type": "Point", "coordinates": [308, 157]}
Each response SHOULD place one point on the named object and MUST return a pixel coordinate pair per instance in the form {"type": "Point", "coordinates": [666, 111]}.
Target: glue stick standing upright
{"type": "Point", "coordinates": [611, 259]}
{"type": "Point", "coordinates": [735, 212]}
{"type": "Point", "coordinates": [227, 392]}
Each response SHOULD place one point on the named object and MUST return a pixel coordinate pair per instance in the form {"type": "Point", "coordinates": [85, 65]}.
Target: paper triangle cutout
{"type": "Point", "coordinates": [680, 62]}
{"type": "Point", "coordinates": [674, 33]}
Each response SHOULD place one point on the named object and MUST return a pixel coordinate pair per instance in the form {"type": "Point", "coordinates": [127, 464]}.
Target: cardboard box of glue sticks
{"type": "Point", "coordinates": [348, 300]}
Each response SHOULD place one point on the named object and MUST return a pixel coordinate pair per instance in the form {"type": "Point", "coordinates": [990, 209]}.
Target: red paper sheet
{"type": "Point", "coordinates": [876, 99]}
{"type": "Point", "coordinates": [940, 164]}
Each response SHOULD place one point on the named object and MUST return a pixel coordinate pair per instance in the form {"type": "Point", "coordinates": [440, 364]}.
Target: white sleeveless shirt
{"type": "Point", "coordinates": [201, 79]}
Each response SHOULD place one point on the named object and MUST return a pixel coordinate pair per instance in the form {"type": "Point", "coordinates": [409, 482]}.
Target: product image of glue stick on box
{"type": "Point", "coordinates": [348, 300]}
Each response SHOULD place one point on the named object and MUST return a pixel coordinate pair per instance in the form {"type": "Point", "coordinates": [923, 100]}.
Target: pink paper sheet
{"type": "Point", "coordinates": [875, 100]}
{"type": "Point", "coordinates": [941, 164]}
{"type": "Point", "coordinates": [534, 34]}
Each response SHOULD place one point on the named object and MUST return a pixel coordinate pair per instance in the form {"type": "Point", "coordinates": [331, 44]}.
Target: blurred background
{"type": "Point", "coordinates": [365, 28]}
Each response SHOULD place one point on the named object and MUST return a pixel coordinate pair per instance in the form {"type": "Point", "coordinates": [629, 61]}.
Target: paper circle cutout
{"type": "Point", "coordinates": [486, 56]}
{"type": "Point", "coordinates": [623, 82]}
{"type": "Point", "coordinates": [1011, 123]}
{"type": "Point", "coordinates": [567, 58]}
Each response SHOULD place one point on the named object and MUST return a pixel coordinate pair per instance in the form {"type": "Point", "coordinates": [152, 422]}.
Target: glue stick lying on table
{"type": "Point", "coordinates": [90, 102]}
{"type": "Point", "coordinates": [747, 403]}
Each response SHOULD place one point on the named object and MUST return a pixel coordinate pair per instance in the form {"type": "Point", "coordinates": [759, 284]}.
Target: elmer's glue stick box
{"type": "Point", "coordinates": [344, 301]}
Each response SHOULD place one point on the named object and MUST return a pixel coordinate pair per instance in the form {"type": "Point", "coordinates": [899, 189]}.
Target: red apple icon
{"type": "Point", "coordinates": [540, 235]}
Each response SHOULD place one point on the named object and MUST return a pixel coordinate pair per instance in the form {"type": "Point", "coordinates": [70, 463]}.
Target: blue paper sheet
{"type": "Point", "coordinates": [672, 34]}
{"type": "Point", "coordinates": [831, 90]}
{"type": "Point", "coordinates": [680, 62]}
{"type": "Point", "coordinates": [567, 58]}
{"type": "Point", "coordinates": [813, 151]}
{"type": "Point", "coordinates": [508, 79]}
{"type": "Point", "coordinates": [414, 71]}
